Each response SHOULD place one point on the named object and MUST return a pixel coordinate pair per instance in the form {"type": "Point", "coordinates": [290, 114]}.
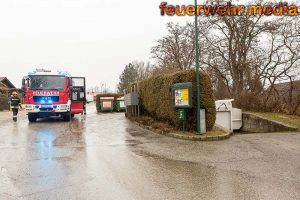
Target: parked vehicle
{"type": "Point", "coordinates": [53, 94]}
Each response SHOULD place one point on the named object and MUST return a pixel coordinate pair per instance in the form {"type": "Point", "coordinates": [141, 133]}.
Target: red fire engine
{"type": "Point", "coordinates": [53, 94]}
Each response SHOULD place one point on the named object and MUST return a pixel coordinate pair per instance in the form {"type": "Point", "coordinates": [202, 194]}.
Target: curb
{"type": "Point", "coordinates": [185, 137]}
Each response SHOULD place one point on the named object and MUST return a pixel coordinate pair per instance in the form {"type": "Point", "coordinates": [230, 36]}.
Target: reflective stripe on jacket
{"type": "Point", "coordinates": [14, 102]}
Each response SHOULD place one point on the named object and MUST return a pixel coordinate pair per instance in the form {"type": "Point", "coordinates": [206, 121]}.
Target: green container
{"type": "Point", "coordinates": [107, 104]}
{"type": "Point", "coordinates": [120, 105]}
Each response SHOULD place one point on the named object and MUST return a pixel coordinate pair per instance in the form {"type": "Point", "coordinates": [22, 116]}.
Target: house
{"type": "Point", "coordinates": [5, 83]}
{"type": "Point", "coordinates": [6, 87]}
{"type": "Point", "coordinates": [285, 89]}
{"type": "Point", "coordinates": [287, 96]}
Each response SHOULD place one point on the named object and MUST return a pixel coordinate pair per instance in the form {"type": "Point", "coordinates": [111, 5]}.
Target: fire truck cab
{"type": "Point", "coordinates": [53, 94]}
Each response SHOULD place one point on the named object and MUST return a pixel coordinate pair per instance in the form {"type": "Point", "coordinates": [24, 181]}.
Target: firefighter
{"type": "Point", "coordinates": [15, 103]}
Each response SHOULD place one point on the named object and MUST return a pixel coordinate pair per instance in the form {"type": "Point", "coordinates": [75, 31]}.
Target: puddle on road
{"type": "Point", "coordinates": [135, 133]}
{"type": "Point", "coordinates": [132, 142]}
{"type": "Point", "coordinates": [188, 176]}
{"type": "Point", "coordinates": [63, 159]}
{"type": "Point", "coordinates": [77, 125]}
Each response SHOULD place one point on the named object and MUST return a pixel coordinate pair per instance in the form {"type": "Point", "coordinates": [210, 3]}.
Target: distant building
{"type": "Point", "coordinates": [6, 87]}
{"type": "Point", "coordinates": [5, 83]}
{"type": "Point", "coordinates": [287, 96]}
{"type": "Point", "coordinates": [284, 89]}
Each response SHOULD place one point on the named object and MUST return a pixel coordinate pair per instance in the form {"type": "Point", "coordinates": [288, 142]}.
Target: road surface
{"type": "Point", "coordinates": [106, 157]}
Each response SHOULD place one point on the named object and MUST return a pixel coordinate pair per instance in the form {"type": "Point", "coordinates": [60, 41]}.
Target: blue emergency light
{"type": "Point", "coordinates": [63, 73]}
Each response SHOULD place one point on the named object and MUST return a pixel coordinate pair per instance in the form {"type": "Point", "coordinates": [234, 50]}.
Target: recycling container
{"type": "Point", "coordinates": [121, 105]}
{"type": "Point", "coordinates": [106, 104]}
{"type": "Point", "coordinates": [228, 117]}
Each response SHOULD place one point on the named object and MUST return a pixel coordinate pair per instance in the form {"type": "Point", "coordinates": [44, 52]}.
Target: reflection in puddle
{"type": "Point", "coordinates": [77, 125]}
{"type": "Point", "coordinates": [45, 138]}
{"type": "Point", "coordinates": [132, 142]}
{"type": "Point", "coordinates": [136, 133]}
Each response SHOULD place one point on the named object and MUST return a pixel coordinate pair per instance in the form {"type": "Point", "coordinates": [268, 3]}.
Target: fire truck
{"type": "Point", "coordinates": [53, 94]}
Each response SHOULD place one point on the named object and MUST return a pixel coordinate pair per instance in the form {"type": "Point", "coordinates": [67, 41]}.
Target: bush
{"type": "Point", "coordinates": [156, 96]}
{"type": "Point", "coordinates": [116, 96]}
{"type": "Point", "coordinates": [4, 103]}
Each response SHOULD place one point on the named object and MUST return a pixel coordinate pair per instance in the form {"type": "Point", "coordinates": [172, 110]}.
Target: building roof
{"type": "Point", "coordinates": [6, 82]}
{"type": "Point", "coordinates": [287, 85]}
{"type": "Point", "coordinates": [284, 88]}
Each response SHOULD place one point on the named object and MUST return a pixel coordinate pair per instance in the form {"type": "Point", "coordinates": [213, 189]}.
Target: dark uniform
{"type": "Point", "coordinates": [15, 103]}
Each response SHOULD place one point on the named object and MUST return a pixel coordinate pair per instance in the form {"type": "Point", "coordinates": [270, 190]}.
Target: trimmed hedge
{"type": "Point", "coordinates": [156, 98]}
{"type": "Point", "coordinates": [116, 96]}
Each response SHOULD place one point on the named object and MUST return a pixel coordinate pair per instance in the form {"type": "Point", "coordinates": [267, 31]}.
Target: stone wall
{"type": "Point", "coordinates": [257, 124]}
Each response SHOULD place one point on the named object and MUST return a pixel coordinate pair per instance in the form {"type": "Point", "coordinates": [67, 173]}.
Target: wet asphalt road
{"type": "Point", "coordinates": [106, 157]}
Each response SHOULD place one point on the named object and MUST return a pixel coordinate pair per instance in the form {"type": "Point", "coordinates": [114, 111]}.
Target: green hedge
{"type": "Point", "coordinates": [107, 95]}
{"type": "Point", "coordinates": [156, 96]}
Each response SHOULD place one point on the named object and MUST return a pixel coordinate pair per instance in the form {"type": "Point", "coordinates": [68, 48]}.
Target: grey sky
{"type": "Point", "coordinates": [92, 38]}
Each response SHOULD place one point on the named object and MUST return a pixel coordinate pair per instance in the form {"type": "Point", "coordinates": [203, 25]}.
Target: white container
{"type": "Point", "coordinates": [228, 117]}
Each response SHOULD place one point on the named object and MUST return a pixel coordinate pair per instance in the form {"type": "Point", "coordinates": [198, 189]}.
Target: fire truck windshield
{"type": "Point", "coordinates": [42, 82]}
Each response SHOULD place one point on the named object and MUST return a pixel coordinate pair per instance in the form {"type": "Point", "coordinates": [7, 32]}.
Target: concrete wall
{"type": "Point", "coordinates": [256, 124]}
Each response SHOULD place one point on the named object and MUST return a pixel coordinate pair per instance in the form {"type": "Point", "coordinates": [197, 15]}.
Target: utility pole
{"type": "Point", "coordinates": [197, 71]}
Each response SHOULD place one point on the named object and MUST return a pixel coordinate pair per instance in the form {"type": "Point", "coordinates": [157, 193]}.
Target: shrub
{"type": "Point", "coordinates": [4, 103]}
{"type": "Point", "coordinates": [156, 98]}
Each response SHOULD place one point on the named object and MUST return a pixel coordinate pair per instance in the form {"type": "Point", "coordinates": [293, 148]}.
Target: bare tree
{"type": "Point", "coordinates": [133, 72]}
{"type": "Point", "coordinates": [143, 69]}
{"type": "Point", "coordinates": [281, 65]}
{"type": "Point", "coordinates": [251, 53]}
{"type": "Point", "coordinates": [244, 54]}
{"type": "Point", "coordinates": [175, 50]}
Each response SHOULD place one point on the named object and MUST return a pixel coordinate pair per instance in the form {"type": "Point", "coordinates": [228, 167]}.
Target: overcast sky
{"type": "Point", "coordinates": [91, 38]}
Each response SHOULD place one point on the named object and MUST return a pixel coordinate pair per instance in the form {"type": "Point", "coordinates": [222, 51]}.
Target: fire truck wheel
{"type": "Point", "coordinates": [32, 117]}
{"type": "Point", "coordinates": [72, 115]}
{"type": "Point", "coordinates": [67, 117]}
